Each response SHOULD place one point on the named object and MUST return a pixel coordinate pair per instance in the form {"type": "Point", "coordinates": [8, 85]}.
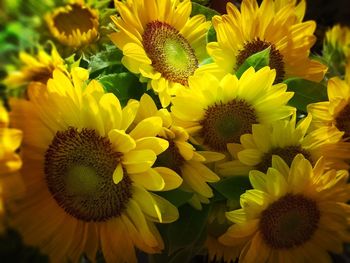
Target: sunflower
{"type": "Point", "coordinates": [293, 214]}
{"type": "Point", "coordinates": [277, 25]}
{"type": "Point", "coordinates": [336, 49]}
{"type": "Point", "coordinates": [10, 162]}
{"type": "Point", "coordinates": [285, 139]}
{"type": "Point", "coordinates": [338, 37]}
{"type": "Point", "coordinates": [181, 157]}
{"type": "Point", "coordinates": [88, 173]}
{"type": "Point", "coordinates": [161, 42]}
{"type": "Point", "coordinates": [218, 112]}
{"type": "Point", "coordinates": [36, 68]}
{"type": "Point", "coordinates": [74, 25]}
{"type": "Point", "coordinates": [336, 111]}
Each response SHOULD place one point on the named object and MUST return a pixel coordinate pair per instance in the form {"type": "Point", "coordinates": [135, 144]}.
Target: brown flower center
{"type": "Point", "coordinates": [255, 46]}
{"type": "Point", "coordinates": [170, 53]}
{"type": "Point", "coordinates": [171, 158]}
{"type": "Point", "coordinates": [289, 222]}
{"type": "Point", "coordinates": [79, 168]}
{"type": "Point", "coordinates": [225, 123]}
{"type": "Point", "coordinates": [287, 154]}
{"type": "Point", "coordinates": [343, 121]}
{"type": "Point", "coordinates": [75, 17]}
{"type": "Point", "coordinates": [42, 74]}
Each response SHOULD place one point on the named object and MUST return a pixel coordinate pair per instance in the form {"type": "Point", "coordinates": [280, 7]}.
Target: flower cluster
{"type": "Point", "coordinates": [162, 130]}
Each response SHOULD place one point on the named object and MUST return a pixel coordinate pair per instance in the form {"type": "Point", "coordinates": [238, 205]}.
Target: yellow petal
{"type": "Point", "coordinates": [136, 216]}
{"type": "Point", "coordinates": [279, 164]}
{"type": "Point", "coordinates": [276, 184]}
{"type": "Point", "coordinates": [158, 145]}
{"type": "Point", "coordinates": [236, 216]}
{"type": "Point", "coordinates": [121, 141]}
{"type": "Point", "coordinates": [172, 179]}
{"type": "Point", "coordinates": [185, 149]}
{"type": "Point", "coordinates": [79, 76]}
{"type": "Point", "coordinates": [138, 161]}
{"type": "Point", "coordinates": [147, 128]}
{"type": "Point", "coordinates": [118, 174]}
{"type": "Point", "coordinates": [155, 207]}
{"type": "Point", "coordinates": [129, 113]}
{"type": "Point", "coordinates": [258, 180]}
{"type": "Point", "coordinates": [195, 180]}
{"type": "Point", "coordinates": [10, 139]}
{"type": "Point", "coordinates": [147, 107]}
{"type": "Point", "coordinates": [151, 180]}
{"type": "Point", "coordinates": [211, 156]}
{"type": "Point", "coordinates": [250, 157]}
{"type": "Point", "coordinates": [207, 174]}
{"type": "Point", "coordinates": [111, 111]}
{"type": "Point", "coordinates": [261, 136]}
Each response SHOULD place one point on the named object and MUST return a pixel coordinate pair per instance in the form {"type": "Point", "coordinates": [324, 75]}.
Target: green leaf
{"type": "Point", "coordinates": [187, 230]}
{"type": "Point", "coordinates": [184, 238]}
{"type": "Point", "coordinates": [232, 187]}
{"type": "Point", "coordinates": [186, 254]}
{"type": "Point", "coordinates": [211, 35]}
{"type": "Point", "coordinates": [257, 61]}
{"type": "Point", "coordinates": [105, 59]}
{"type": "Point", "coordinates": [305, 92]}
{"type": "Point", "coordinates": [202, 2]}
{"type": "Point", "coordinates": [124, 85]}
{"type": "Point", "coordinates": [198, 9]}
{"type": "Point", "coordinates": [177, 197]}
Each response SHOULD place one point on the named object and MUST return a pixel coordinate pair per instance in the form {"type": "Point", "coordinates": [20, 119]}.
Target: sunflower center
{"type": "Point", "coordinates": [79, 170]}
{"type": "Point", "coordinates": [255, 46]}
{"type": "Point", "coordinates": [171, 158]}
{"type": "Point", "coordinates": [74, 17]}
{"type": "Point", "coordinates": [287, 154]}
{"type": "Point", "coordinates": [170, 53]}
{"type": "Point", "coordinates": [225, 123]}
{"type": "Point", "coordinates": [42, 74]}
{"type": "Point", "coordinates": [343, 121]}
{"type": "Point", "coordinates": [289, 222]}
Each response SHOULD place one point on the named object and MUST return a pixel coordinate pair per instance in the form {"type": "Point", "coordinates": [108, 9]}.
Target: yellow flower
{"type": "Point", "coordinates": [218, 112]}
{"type": "Point", "coordinates": [75, 24]}
{"type": "Point", "coordinates": [161, 42]}
{"type": "Point", "coordinates": [10, 162]}
{"type": "Point", "coordinates": [293, 214]}
{"type": "Point", "coordinates": [285, 139]}
{"type": "Point", "coordinates": [335, 111]}
{"type": "Point", "coordinates": [10, 140]}
{"type": "Point", "coordinates": [38, 68]}
{"type": "Point", "coordinates": [277, 25]}
{"type": "Point", "coordinates": [88, 173]}
{"type": "Point", "coordinates": [338, 37]}
{"type": "Point", "coordinates": [181, 157]}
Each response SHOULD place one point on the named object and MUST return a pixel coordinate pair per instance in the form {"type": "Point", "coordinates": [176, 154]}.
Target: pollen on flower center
{"type": "Point", "coordinates": [79, 168]}
{"type": "Point", "coordinates": [170, 53]}
{"type": "Point", "coordinates": [225, 123]}
{"type": "Point", "coordinates": [255, 46]}
{"type": "Point", "coordinates": [75, 17]}
{"type": "Point", "coordinates": [171, 158]}
{"type": "Point", "coordinates": [287, 154]}
{"type": "Point", "coordinates": [289, 222]}
{"type": "Point", "coordinates": [343, 121]}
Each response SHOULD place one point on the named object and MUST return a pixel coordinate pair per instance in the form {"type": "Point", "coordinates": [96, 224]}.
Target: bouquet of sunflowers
{"type": "Point", "coordinates": [164, 131]}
